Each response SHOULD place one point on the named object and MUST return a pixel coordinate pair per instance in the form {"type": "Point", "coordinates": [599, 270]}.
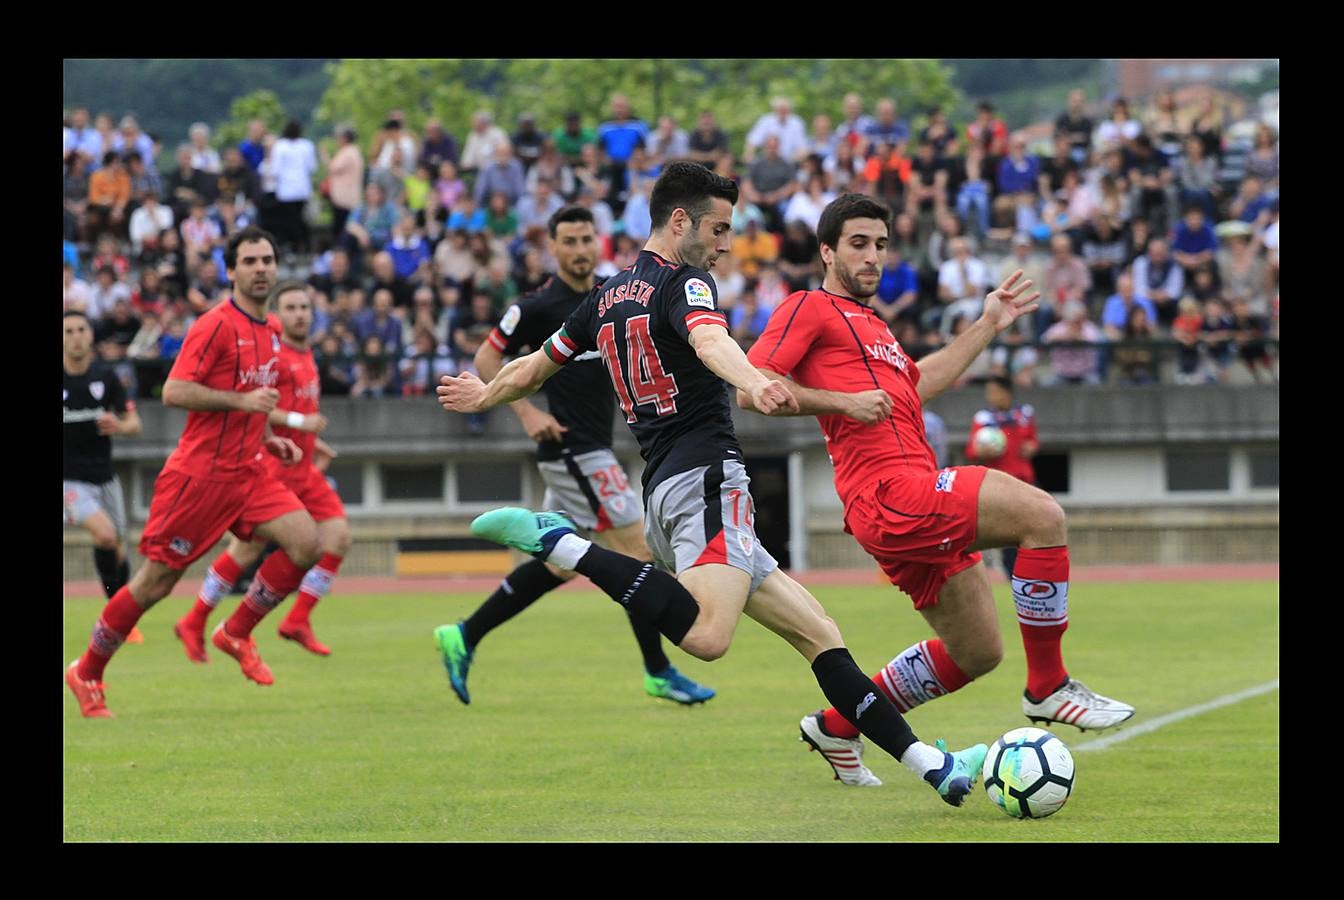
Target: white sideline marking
{"type": "Point", "coordinates": [1154, 724]}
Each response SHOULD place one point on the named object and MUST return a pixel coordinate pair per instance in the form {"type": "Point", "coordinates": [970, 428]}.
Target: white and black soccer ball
{"type": "Point", "coordinates": [990, 442]}
{"type": "Point", "coordinates": [1029, 773]}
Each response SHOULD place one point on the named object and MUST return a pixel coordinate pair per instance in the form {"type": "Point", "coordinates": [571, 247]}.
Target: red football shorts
{"type": "Point", "coordinates": [311, 487]}
{"type": "Point", "coordinates": [189, 515]}
{"type": "Point", "coordinates": [919, 526]}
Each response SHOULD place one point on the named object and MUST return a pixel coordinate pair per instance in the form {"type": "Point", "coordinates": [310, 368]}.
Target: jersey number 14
{"type": "Point", "coordinates": [643, 378]}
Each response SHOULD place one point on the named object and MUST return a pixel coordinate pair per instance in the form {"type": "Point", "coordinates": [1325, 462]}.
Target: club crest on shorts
{"type": "Point", "coordinates": [699, 294]}
{"type": "Point", "coordinates": [96, 389]}
{"type": "Point", "coordinates": [945, 479]}
{"type": "Point", "coordinates": [617, 505]}
{"type": "Point", "coordinates": [180, 546]}
{"type": "Point", "coordinates": [747, 541]}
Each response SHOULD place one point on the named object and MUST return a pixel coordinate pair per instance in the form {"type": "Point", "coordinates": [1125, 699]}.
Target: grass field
{"type": "Point", "coordinates": [560, 742]}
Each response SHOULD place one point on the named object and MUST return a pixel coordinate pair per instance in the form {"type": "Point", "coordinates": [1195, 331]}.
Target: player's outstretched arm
{"type": "Point", "coordinates": [868, 407]}
{"type": "Point", "coordinates": [523, 377]}
{"type": "Point", "coordinates": [539, 424]}
{"type": "Point", "coordinates": [1003, 306]}
{"type": "Point", "coordinates": [198, 397]}
{"type": "Point", "coordinates": [724, 357]}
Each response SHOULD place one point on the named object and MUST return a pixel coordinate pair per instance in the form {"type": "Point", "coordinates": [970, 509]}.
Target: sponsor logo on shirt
{"type": "Point", "coordinates": [260, 376]}
{"type": "Point", "coordinates": [510, 320]}
{"type": "Point", "coordinates": [888, 353]}
{"type": "Point", "coordinates": [699, 294]}
{"type": "Point", "coordinates": [945, 479]}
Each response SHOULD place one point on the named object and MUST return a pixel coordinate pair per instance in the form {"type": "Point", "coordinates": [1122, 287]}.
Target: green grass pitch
{"type": "Point", "coordinates": [561, 743]}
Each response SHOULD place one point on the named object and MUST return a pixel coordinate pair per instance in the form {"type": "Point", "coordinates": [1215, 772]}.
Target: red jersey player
{"type": "Point", "coordinates": [295, 417]}
{"type": "Point", "coordinates": [214, 481]}
{"type": "Point", "coordinates": [1018, 424]}
{"type": "Point", "coordinates": [923, 525]}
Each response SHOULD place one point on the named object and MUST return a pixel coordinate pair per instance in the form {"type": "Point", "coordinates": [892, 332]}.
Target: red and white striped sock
{"type": "Point", "coordinates": [1041, 595]}
{"type": "Point", "coordinates": [922, 673]}
{"type": "Point", "coordinates": [314, 587]}
{"type": "Point", "coordinates": [221, 575]}
{"type": "Point", "coordinates": [109, 633]}
{"type": "Point", "coordinates": [274, 581]}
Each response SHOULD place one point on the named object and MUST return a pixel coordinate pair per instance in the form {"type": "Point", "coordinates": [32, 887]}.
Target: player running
{"type": "Point", "coordinates": [214, 481]}
{"type": "Point", "coordinates": [668, 352]}
{"type": "Point", "coordinates": [297, 418]}
{"type": "Point", "coordinates": [922, 525]}
{"type": "Point", "coordinates": [96, 408]}
{"type": "Point", "coordinates": [574, 457]}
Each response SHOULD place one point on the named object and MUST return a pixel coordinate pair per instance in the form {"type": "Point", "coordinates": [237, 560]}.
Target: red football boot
{"type": "Point", "coordinates": [245, 651]}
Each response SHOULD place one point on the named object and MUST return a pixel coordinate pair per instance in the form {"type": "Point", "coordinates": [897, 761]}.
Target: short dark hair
{"type": "Point", "coordinates": [1006, 383]}
{"type": "Point", "coordinates": [689, 186]}
{"type": "Point", "coordinates": [110, 157]}
{"type": "Point", "coordinates": [844, 208]}
{"type": "Point", "coordinates": [284, 287]}
{"type": "Point", "coordinates": [77, 312]}
{"type": "Point", "coordinates": [293, 129]}
{"type": "Point", "coordinates": [250, 233]}
{"type": "Point", "coordinates": [571, 213]}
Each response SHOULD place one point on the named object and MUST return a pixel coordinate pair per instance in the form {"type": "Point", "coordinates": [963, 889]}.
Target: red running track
{"type": "Point", "coordinates": [381, 584]}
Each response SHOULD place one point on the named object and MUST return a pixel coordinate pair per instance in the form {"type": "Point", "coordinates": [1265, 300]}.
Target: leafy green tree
{"type": "Point", "coordinates": [263, 104]}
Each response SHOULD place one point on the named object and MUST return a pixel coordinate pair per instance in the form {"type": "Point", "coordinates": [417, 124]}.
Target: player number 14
{"type": "Point", "coordinates": [643, 378]}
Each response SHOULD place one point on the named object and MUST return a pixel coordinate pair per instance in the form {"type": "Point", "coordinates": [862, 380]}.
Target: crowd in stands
{"type": "Point", "coordinates": [1129, 226]}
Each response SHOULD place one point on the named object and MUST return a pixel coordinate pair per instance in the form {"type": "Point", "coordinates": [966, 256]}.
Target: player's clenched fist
{"type": "Point", "coordinates": [773, 397]}
{"type": "Point", "coordinates": [460, 393]}
{"type": "Point", "coordinates": [870, 407]}
{"type": "Point", "coordinates": [283, 449]}
{"type": "Point", "coordinates": [262, 400]}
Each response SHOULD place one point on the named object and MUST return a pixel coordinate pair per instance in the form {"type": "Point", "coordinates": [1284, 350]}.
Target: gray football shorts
{"type": "Point", "coordinates": [83, 499]}
{"type": "Point", "coordinates": [706, 515]}
{"type": "Point", "coordinates": [592, 489]}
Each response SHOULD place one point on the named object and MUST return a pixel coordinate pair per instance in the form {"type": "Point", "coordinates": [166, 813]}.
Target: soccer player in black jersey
{"type": "Point", "coordinates": [574, 455]}
{"type": "Point", "coordinates": [668, 352]}
{"type": "Point", "coordinates": [96, 407]}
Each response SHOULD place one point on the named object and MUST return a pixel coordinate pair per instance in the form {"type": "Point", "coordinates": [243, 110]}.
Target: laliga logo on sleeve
{"type": "Point", "coordinates": [699, 294]}
{"type": "Point", "coordinates": [510, 320]}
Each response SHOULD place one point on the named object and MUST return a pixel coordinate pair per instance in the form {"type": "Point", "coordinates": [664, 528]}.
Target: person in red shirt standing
{"type": "Point", "coordinates": [1018, 424]}
{"type": "Point", "coordinates": [924, 525]}
{"type": "Point", "coordinates": [214, 481]}
{"type": "Point", "coordinates": [295, 417]}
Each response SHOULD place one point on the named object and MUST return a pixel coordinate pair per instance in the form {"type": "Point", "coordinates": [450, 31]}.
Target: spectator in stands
{"type": "Point", "coordinates": [747, 319]}
{"type": "Point", "coordinates": [1243, 273]}
{"type": "Point", "coordinates": [204, 289]}
{"type": "Point", "coordinates": [109, 194]}
{"type": "Point", "coordinates": [1137, 239]}
{"type": "Point", "coordinates": [108, 290]}
{"type": "Point", "coordinates": [1075, 126]}
{"type": "Point", "coordinates": [854, 126]}
{"type": "Point", "coordinates": [171, 262]}
{"type": "Point", "coordinates": [426, 360]}
{"type": "Point", "coordinates": [753, 247]}
{"type": "Point", "coordinates": [1263, 161]}
{"type": "Point", "coordinates": [439, 146]}
{"type": "Point", "coordinates": [799, 256]}
{"type": "Point", "coordinates": [527, 140]}
{"type": "Point", "coordinates": [76, 191]}
{"type": "Point", "coordinates": [504, 175]}
{"type": "Point", "coordinates": [1218, 332]}
{"type": "Point", "coordinates": [174, 333]}
{"type": "Point", "coordinates": [551, 166]}
{"type": "Point", "coordinates": [1051, 179]}
{"type": "Point", "coordinates": [989, 131]}
{"type": "Point", "coordinates": [963, 281]}
{"type": "Point", "coordinates": [571, 138]}
{"type": "Point", "coordinates": [482, 143]}
{"type": "Point", "coordinates": [769, 183]}
{"type": "Point", "coordinates": [130, 139]}
{"type": "Point", "coordinates": [973, 194]}
{"type": "Point", "coordinates": [345, 178]}
{"type": "Point", "coordinates": [1197, 177]}
{"type": "Point", "coordinates": [472, 326]}
{"type": "Point", "coordinates": [107, 138]}
{"type": "Point", "coordinates": [379, 322]}
{"type": "Point", "coordinates": [637, 221]}
{"type": "Point", "coordinates": [668, 143]}
{"type": "Point", "coordinates": [338, 276]}
{"type": "Point", "coordinates": [1103, 252]}
{"type": "Point", "coordinates": [947, 227]}
{"type": "Point", "coordinates": [392, 140]}
{"type": "Point", "coordinates": [1074, 365]}
{"type": "Point", "coordinates": [1207, 125]}
{"type": "Point", "coordinates": [449, 186]}
{"type": "Point", "coordinates": [501, 219]}
{"type": "Point", "coordinates": [237, 185]}
{"type": "Point", "coordinates": [188, 185]}
{"type": "Point", "coordinates": [144, 181]}
{"type": "Point", "coordinates": [1252, 205]}
{"type": "Point", "coordinates": [822, 140]}
{"type": "Point", "coordinates": [1165, 125]}
{"type": "Point", "coordinates": [384, 276]}
{"type": "Point", "coordinates": [78, 293]}
{"type": "Point", "coordinates": [409, 251]}
{"type": "Point", "coordinates": [375, 376]}
{"type": "Point", "coordinates": [1152, 183]}
{"type": "Point", "coordinates": [203, 157]}
{"type": "Point", "coordinates": [617, 138]}
{"type": "Point", "coordinates": [1120, 130]}
{"type": "Point", "coordinates": [148, 295]}
{"type": "Point", "coordinates": [200, 233]}
{"type": "Point", "coordinates": [1135, 363]}
{"type": "Point", "coordinates": [145, 343]}
{"type": "Point", "coordinates": [253, 147]}
{"type": "Point", "coordinates": [1158, 277]}
{"type": "Point", "coordinates": [118, 327]}
{"type": "Point", "coordinates": [708, 142]}
{"type": "Point", "coordinates": [782, 124]}
{"type": "Point", "coordinates": [732, 285]}
{"type": "Point", "coordinates": [1017, 181]}
{"type": "Point", "coordinates": [336, 375]}
{"type": "Point", "coordinates": [1251, 329]}
{"type": "Point", "coordinates": [371, 223]}
{"type": "Point", "coordinates": [495, 285]}
{"type": "Point", "coordinates": [806, 205]}
{"type": "Point", "coordinates": [926, 190]}
{"type": "Point", "coordinates": [1185, 329]}
{"type": "Point", "coordinates": [941, 133]}
{"type": "Point", "coordinates": [82, 139]}
{"type": "Point", "coordinates": [1115, 315]}
{"type": "Point", "coordinates": [898, 289]}
{"type": "Point", "coordinates": [1194, 243]}
{"type": "Point", "coordinates": [538, 205]}
{"type": "Point", "coordinates": [885, 126]}
{"type": "Point", "coordinates": [147, 223]}
{"type": "Point", "coordinates": [1066, 278]}
{"type": "Point", "coordinates": [771, 288]}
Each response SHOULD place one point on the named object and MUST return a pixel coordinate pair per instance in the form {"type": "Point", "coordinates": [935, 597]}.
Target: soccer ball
{"type": "Point", "coordinates": [1029, 773]}
{"type": "Point", "coordinates": [990, 442]}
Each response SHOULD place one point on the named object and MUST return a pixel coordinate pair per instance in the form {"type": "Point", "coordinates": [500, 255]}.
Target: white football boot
{"type": "Point", "coordinates": [1073, 704]}
{"type": "Point", "coordinates": [844, 754]}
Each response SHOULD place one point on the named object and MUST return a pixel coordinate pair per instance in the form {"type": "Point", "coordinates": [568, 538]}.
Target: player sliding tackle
{"type": "Point", "coordinates": [922, 525]}
{"type": "Point", "coordinates": [668, 352]}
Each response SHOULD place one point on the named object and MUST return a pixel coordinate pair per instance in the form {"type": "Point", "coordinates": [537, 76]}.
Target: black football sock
{"type": "Point", "coordinates": [105, 561]}
{"type": "Point", "coordinates": [855, 697]}
{"type": "Point", "coordinates": [123, 575]}
{"type": "Point", "coordinates": [646, 592]}
{"type": "Point", "coordinates": [519, 590]}
{"type": "Point", "coordinates": [650, 644]}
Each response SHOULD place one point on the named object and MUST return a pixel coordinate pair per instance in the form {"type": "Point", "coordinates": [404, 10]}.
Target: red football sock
{"type": "Point", "coordinates": [117, 620]}
{"type": "Point", "coordinates": [315, 586]}
{"type": "Point", "coordinates": [922, 673]}
{"type": "Point", "coordinates": [1041, 594]}
{"type": "Point", "coordinates": [274, 581]}
{"type": "Point", "coordinates": [218, 579]}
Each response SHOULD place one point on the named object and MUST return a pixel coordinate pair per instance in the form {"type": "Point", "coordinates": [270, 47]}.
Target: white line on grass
{"type": "Point", "coordinates": [1154, 724]}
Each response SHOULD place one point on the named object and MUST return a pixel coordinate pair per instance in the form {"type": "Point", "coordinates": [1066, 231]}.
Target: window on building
{"type": "Point", "coordinates": [412, 482]}
{"type": "Point", "coordinates": [489, 482]}
{"type": "Point", "coordinates": [1209, 470]}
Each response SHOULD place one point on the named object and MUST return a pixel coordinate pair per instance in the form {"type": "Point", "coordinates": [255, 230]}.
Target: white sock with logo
{"type": "Point", "coordinates": [922, 759]}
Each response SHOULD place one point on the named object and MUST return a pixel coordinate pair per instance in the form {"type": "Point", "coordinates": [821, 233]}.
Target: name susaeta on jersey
{"type": "Point", "coordinates": [638, 291]}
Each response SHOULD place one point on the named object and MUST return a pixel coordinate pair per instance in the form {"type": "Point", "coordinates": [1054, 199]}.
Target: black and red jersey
{"type": "Point", "coordinates": [639, 321]}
